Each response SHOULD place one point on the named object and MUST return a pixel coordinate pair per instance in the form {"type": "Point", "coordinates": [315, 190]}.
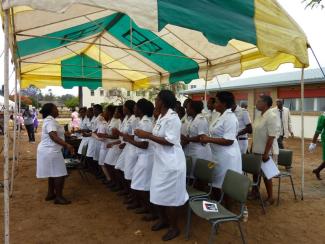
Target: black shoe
{"type": "Point", "coordinates": [171, 234]}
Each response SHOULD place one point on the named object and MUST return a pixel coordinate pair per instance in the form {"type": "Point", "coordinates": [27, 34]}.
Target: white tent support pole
{"type": "Point", "coordinates": [19, 125]}
{"type": "Point", "coordinates": [302, 134]}
{"type": "Point", "coordinates": [205, 85]}
{"type": "Point", "coordinates": [14, 148]}
{"type": "Point", "coordinates": [6, 129]}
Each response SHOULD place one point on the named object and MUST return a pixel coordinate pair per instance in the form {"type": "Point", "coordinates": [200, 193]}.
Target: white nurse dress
{"type": "Point", "coordinates": [168, 180]}
{"type": "Point", "coordinates": [141, 176]}
{"type": "Point", "coordinates": [226, 157]}
{"type": "Point", "coordinates": [50, 161]}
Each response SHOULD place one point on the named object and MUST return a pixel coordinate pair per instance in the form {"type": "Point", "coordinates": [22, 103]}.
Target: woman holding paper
{"type": "Point", "coordinates": [265, 129]}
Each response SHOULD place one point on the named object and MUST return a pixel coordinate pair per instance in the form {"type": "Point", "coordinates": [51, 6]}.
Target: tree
{"type": "Point", "coordinates": [314, 3]}
{"type": "Point", "coordinates": [72, 102]}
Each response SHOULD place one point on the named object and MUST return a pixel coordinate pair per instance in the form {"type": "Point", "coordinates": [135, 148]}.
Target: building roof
{"type": "Point", "coordinates": [311, 76]}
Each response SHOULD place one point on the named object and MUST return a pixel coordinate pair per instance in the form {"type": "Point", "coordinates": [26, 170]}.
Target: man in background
{"type": "Point", "coordinates": [29, 124]}
{"type": "Point", "coordinates": [284, 121]}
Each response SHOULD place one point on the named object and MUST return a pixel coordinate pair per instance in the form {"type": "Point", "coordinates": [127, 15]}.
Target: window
{"type": "Point", "coordinates": [310, 104]}
{"type": "Point", "coordinates": [128, 93]}
{"type": "Point", "coordinates": [193, 86]}
{"type": "Point", "coordinates": [101, 92]}
{"type": "Point", "coordinates": [92, 93]}
{"type": "Point", "coordinates": [92, 104]}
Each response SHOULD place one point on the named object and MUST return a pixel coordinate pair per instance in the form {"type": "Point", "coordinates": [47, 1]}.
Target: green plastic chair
{"type": "Point", "coordinates": [285, 160]}
{"type": "Point", "coordinates": [203, 172]}
{"type": "Point", "coordinates": [251, 164]}
{"type": "Point", "coordinates": [235, 186]}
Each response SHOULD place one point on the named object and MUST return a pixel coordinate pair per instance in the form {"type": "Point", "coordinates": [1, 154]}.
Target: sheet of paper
{"type": "Point", "coordinates": [210, 206]}
{"type": "Point", "coordinates": [270, 169]}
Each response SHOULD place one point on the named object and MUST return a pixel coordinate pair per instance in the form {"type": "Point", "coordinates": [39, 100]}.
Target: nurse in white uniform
{"type": "Point", "coordinates": [94, 144]}
{"type": "Point", "coordinates": [85, 129]}
{"type": "Point", "coordinates": [50, 162]}
{"type": "Point", "coordinates": [168, 180]}
{"type": "Point", "coordinates": [102, 133]}
{"type": "Point", "coordinates": [223, 140]}
{"type": "Point", "coordinates": [112, 145]}
{"type": "Point", "coordinates": [245, 127]}
{"type": "Point", "coordinates": [197, 127]}
{"type": "Point", "coordinates": [127, 158]}
{"type": "Point", "coordinates": [141, 176]}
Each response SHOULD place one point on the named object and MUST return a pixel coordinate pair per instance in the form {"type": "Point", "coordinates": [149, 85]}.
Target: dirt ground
{"type": "Point", "coordinates": [97, 215]}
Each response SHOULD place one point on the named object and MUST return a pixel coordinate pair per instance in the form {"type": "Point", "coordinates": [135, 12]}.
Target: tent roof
{"type": "Point", "coordinates": [96, 44]}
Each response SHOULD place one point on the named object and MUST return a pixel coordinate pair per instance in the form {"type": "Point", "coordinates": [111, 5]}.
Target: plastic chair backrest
{"type": "Point", "coordinates": [189, 165]}
{"type": "Point", "coordinates": [285, 157]}
{"type": "Point", "coordinates": [203, 170]}
{"type": "Point", "coordinates": [251, 163]}
{"type": "Point", "coordinates": [84, 150]}
{"type": "Point", "coordinates": [236, 186]}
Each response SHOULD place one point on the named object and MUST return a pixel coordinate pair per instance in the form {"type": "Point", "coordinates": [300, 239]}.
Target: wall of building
{"type": "Point", "coordinates": [98, 97]}
{"type": "Point", "coordinates": [309, 128]}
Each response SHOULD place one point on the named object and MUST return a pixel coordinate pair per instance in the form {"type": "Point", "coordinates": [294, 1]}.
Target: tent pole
{"type": "Point", "coordinates": [320, 67]}
{"type": "Point", "coordinates": [205, 86]}
{"type": "Point", "coordinates": [19, 129]}
{"type": "Point", "coordinates": [302, 135]}
{"type": "Point", "coordinates": [13, 164]}
{"type": "Point", "coordinates": [6, 129]}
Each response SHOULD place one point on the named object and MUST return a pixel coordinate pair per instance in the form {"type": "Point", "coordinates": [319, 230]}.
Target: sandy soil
{"type": "Point", "coordinates": [98, 216]}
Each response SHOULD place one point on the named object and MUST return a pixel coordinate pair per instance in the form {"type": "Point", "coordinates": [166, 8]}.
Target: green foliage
{"type": "Point", "coordinates": [314, 3]}
{"type": "Point", "coordinates": [72, 102]}
{"type": "Point", "coordinates": [35, 103]}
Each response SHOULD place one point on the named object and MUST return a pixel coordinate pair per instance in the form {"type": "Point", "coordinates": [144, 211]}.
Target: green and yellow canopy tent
{"type": "Point", "coordinates": [136, 44]}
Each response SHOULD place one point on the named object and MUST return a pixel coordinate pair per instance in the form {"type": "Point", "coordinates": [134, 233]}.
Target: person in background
{"type": "Point", "coordinates": [197, 127]}
{"type": "Point", "coordinates": [244, 105]}
{"type": "Point", "coordinates": [128, 158]}
{"type": "Point", "coordinates": [265, 130]}
{"type": "Point", "coordinates": [168, 181]}
{"type": "Point", "coordinates": [93, 144]}
{"type": "Point", "coordinates": [212, 114]}
{"type": "Point", "coordinates": [102, 134]}
{"type": "Point", "coordinates": [35, 115]}
{"type": "Point", "coordinates": [29, 124]}
{"type": "Point", "coordinates": [114, 150]}
{"type": "Point", "coordinates": [284, 120]}
{"type": "Point", "coordinates": [141, 177]}
{"type": "Point", "coordinates": [50, 163]}
{"type": "Point", "coordinates": [223, 141]}
{"type": "Point", "coordinates": [245, 127]}
{"type": "Point", "coordinates": [185, 119]}
{"type": "Point", "coordinates": [320, 130]}
{"type": "Point", "coordinates": [75, 120]}
{"type": "Point", "coordinates": [85, 126]}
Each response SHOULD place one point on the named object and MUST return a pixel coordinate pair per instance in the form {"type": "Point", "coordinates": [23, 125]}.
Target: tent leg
{"type": "Point", "coordinates": [302, 135]}
{"type": "Point", "coordinates": [6, 129]}
{"type": "Point", "coordinates": [14, 154]}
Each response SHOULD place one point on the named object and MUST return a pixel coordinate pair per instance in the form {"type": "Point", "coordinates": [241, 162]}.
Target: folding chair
{"type": "Point", "coordinates": [82, 165]}
{"type": "Point", "coordinates": [235, 186]}
{"type": "Point", "coordinates": [285, 160]}
{"type": "Point", "coordinates": [251, 164]}
{"type": "Point", "coordinates": [203, 172]}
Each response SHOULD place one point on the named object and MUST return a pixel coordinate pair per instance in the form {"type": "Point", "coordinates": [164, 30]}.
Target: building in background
{"type": "Point", "coordinates": [284, 86]}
